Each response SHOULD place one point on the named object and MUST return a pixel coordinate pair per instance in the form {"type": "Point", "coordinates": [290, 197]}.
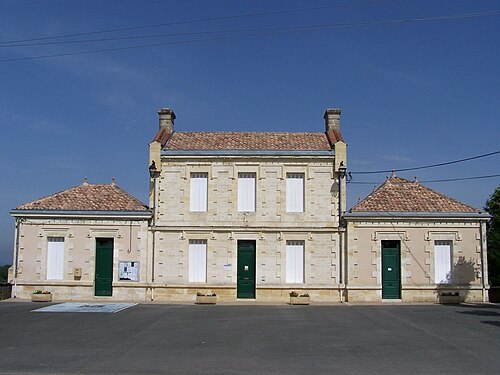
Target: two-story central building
{"type": "Point", "coordinates": [247, 215]}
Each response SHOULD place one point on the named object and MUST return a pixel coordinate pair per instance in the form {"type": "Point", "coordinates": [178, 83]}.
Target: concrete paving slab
{"type": "Point", "coordinates": [76, 307]}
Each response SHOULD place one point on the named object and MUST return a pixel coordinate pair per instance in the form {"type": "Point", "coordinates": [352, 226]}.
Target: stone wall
{"type": "Point", "coordinates": [130, 244]}
{"type": "Point", "coordinates": [320, 261]}
{"type": "Point", "coordinates": [320, 190]}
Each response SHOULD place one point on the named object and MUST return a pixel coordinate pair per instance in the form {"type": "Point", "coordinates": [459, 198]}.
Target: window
{"type": "Point", "coordinates": [246, 192]}
{"type": "Point", "coordinates": [294, 192]}
{"type": "Point", "coordinates": [442, 262]}
{"type": "Point", "coordinates": [55, 258]}
{"type": "Point", "coordinates": [197, 261]}
{"type": "Point", "coordinates": [198, 191]}
{"type": "Point", "coordinates": [294, 261]}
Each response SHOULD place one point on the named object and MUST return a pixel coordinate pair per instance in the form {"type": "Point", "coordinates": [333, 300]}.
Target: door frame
{"type": "Point", "coordinates": [254, 243]}
{"type": "Point", "coordinates": [394, 244]}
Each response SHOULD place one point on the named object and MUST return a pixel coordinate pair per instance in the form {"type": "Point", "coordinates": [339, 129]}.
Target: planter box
{"type": "Point", "coordinates": [300, 300]}
{"type": "Point", "coordinates": [450, 299]}
{"type": "Point", "coordinates": [206, 300]}
{"type": "Point", "coordinates": [41, 297]}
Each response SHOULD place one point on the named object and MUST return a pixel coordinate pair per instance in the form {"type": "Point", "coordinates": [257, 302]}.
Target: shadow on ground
{"type": "Point", "coordinates": [486, 310]}
{"type": "Point", "coordinates": [480, 312]}
{"type": "Point", "coordinates": [495, 323]}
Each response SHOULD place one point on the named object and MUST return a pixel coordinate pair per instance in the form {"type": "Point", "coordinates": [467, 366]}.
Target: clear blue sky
{"type": "Point", "coordinates": [412, 93]}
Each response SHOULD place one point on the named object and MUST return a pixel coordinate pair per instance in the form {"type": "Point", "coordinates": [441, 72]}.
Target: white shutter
{"type": "Point", "coordinates": [198, 191]}
{"type": "Point", "coordinates": [294, 261]}
{"type": "Point", "coordinates": [246, 192]}
{"type": "Point", "coordinates": [442, 262]}
{"type": "Point", "coordinates": [197, 261]}
{"type": "Point", "coordinates": [55, 258]}
{"type": "Point", "coordinates": [294, 192]}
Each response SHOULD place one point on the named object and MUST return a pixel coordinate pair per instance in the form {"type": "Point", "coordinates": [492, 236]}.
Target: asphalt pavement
{"type": "Point", "coordinates": [252, 339]}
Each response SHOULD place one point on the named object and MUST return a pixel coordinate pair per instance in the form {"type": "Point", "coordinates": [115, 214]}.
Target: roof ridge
{"type": "Point", "coordinates": [373, 192]}
{"type": "Point", "coordinates": [248, 132]}
{"type": "Point", "coordinates": [128, 194]}
{"type": "Point", "coordinates": [447, 197]}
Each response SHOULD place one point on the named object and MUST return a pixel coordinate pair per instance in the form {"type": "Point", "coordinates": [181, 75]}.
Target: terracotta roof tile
{"type": "Point", "coordinates": [88, 197]}
{"type": "Point", "coordinates": [247, 141]}
{"type": "Point", "coordinates": [397, 194]}
{"type": "Point", "coordinates": [162, 136]}
{"type": "Point", "coordinates": [335, 136]}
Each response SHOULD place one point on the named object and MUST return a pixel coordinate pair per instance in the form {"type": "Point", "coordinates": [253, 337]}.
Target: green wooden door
{"type": "Point", "coordinates": [391, 270]}
{"type": "Point", "coordinates": [104, 267]}
{"type": "Point", "coordinates": [246, 269]}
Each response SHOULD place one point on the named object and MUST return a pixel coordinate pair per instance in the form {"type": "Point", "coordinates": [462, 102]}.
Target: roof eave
{"type": "Point", "coordinates": [418, 215]}
{"type": "Point", "coordinates": [81, 213]}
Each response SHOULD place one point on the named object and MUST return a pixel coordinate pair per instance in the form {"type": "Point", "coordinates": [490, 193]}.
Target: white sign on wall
{"type": "Point", "coordinates": [128, 271]}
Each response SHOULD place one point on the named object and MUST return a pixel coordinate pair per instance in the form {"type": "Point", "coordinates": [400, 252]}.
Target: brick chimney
{"type": "Point", "coordinates": [332, 119]}
{"type": "Point", "coordinates": [166, 117]}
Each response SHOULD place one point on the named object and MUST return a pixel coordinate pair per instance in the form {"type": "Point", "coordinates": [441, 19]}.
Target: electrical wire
{"type": "Point", "coordinates": [463, 178]}
{"type": "Point", "coordinates": [247, 15]}
{"type": "Point", "coordinates": [270, 31]}
{"type": "Point", "coordinates": [429, 166]}
{"type": "Point", "coordinates": [433, 181]}
{"type": "Point", "coordinates": [229, 31]}
{"type": "Point", "coordinates": [120, 48]}
{"type": "Point", "coordinates": [128, 38]}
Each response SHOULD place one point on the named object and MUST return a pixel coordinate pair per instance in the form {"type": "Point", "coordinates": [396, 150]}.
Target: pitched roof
{"type": "Point", "coordinates": [88, 197]}
{"type": "Point", "coordinates": [247, 141]}
{"type": "Point", "coordinates": [397, 194]}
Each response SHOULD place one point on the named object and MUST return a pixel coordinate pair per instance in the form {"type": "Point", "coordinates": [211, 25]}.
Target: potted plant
{"type": "Point", "coordinates": [299, 299]}
{"type": "Point", "coordinates": [206, 299]}
{"type": "Point", "coordinates": [41, 296]}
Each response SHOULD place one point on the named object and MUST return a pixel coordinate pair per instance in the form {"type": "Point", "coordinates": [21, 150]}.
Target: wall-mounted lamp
{"type": "Point", "coordinates": [343, 172]}
{"type": "Point", "coordinates": [342, 169]}
{"type": "Point", "coordinates": [153, 172]}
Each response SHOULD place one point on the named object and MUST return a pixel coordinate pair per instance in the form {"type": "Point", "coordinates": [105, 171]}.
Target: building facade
{"type": "Point", "coordinates": [250, 216]}
{"type": "Point", "coordinates": [86, 242]}
{"type": "Point", "coordinates": [409, 243]}
{"type": "Point", "coordinates": [246, 215]}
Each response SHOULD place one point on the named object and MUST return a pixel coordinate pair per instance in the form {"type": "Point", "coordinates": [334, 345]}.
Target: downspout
{"type": "Point", "coordinates": [341, 258]}
{"type": "Point", "coordinates": [483, 264]}
{"type": "Point", "coordinates": [16, 254]}
{"type": "Point", "coordinates": [153, 230]}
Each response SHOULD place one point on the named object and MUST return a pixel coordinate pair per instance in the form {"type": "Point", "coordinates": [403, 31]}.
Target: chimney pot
{"type": "Point", "coordinates": [166, 117]}
{"type": "Point", "coordinates": [332, 119]}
